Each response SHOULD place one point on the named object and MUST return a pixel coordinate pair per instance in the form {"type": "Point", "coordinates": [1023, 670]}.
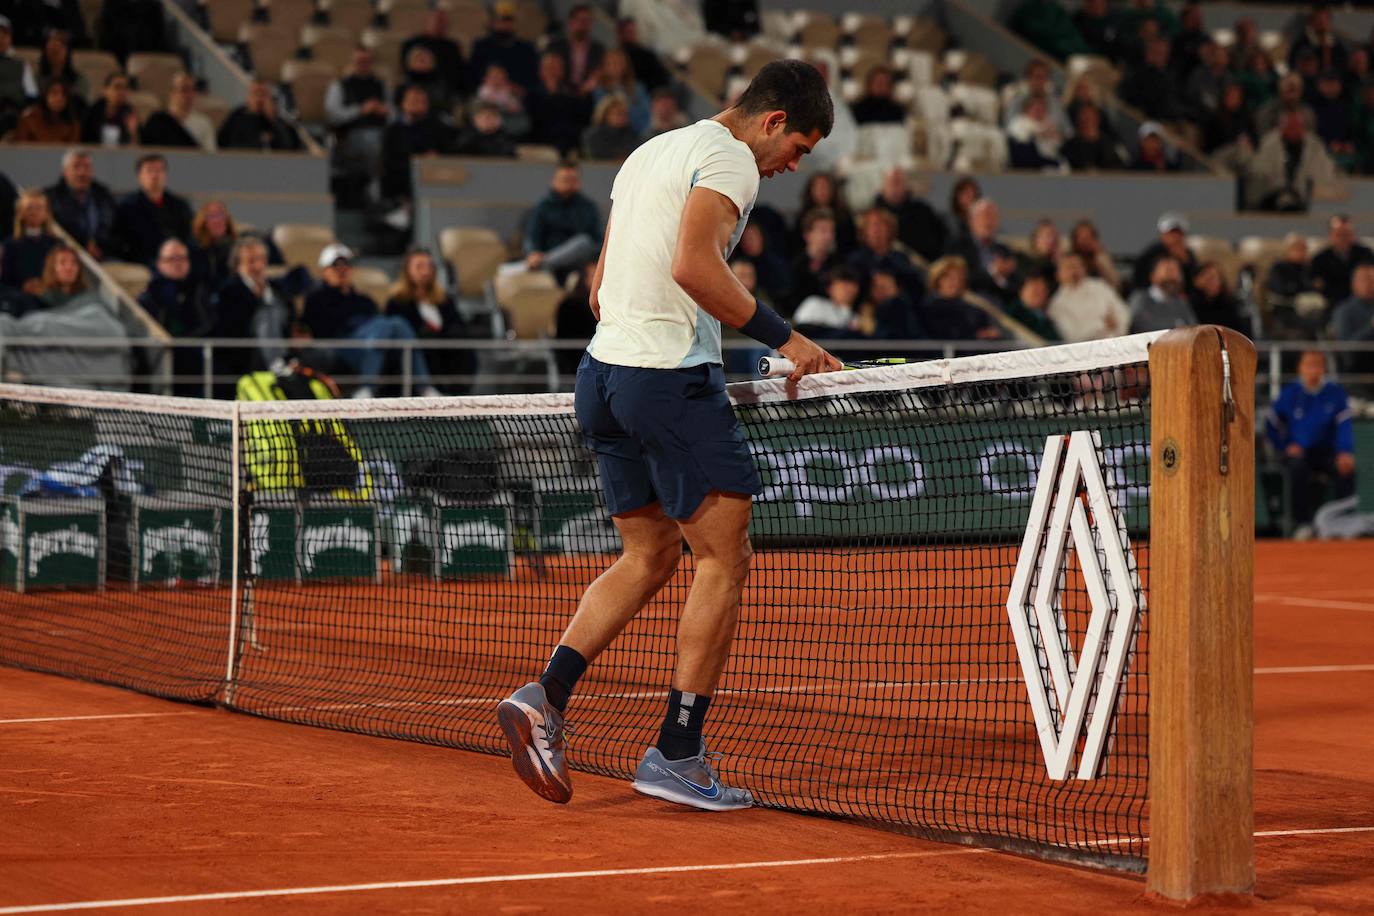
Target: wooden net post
{"type": "Point", "coordinates": [1202, 539]}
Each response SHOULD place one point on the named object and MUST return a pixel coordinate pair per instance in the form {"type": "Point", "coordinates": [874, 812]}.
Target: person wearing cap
{"type": "Point", "coordinates": [17, 85]}
{"type": "Point", "coordinates": [1161, 306]}
{"type": "Point", "coordinates": [1173, 243]}
{"type": "Point", "coordinates": [503, 47]}
{"type": "Point", "coordinates": [1152, 154]}
{"type": "Point", "coordinates": [336, 310]}
{"type": "Point", "coordinates": [149, 216]}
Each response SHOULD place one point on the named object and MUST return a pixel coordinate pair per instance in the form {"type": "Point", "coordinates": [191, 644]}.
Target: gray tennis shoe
{"type": "Point", "coordinates": [535, 731]}
{"type": "Point", "coordinates": [692, 781]}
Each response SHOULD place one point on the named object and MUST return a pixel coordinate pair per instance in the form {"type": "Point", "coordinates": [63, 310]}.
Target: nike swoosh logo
{"type": "Point", "coordinates": [711, 792]}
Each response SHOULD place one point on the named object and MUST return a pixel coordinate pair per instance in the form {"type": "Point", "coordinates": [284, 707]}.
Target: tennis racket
{"type": "Point", "coordinates": [776, 366]}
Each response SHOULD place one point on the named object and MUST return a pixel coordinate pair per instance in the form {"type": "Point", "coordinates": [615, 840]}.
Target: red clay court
{"type": "Point", "coordinates": [111, 796]}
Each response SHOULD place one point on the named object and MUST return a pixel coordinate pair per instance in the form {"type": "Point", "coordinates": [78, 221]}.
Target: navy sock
{"type": "Point", "coordinates": [680, 736]}
{"type": "Point", "coordinates": [565, 668]}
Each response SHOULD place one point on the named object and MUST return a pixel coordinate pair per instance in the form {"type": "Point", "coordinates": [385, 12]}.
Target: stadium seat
{"type": "Point", "coordinates": [537, 152]}
{"type": "Point", "coordinates": [857, 62]}
{"type": "Point", "coordinates": [474, 253]}
{"type": "Point", "coordinates": [752, 58]}
{"type": "Point", "coordinates": [289, 16]}
{"type": "Point", "coordinates": [978, 102]}
{"type": "Point", "coordinates": [925, 34]}
{"type": "Point", "coordinates": [354, 15]}
{"type": "Point", "coordinates": [330, 44]}
{"type": "Point", "coordinates": [309, 81]}
{"type": "Point", "coordinates": [268, 48]}
{"type": "Point", "coordinates": [153, 72]}
{"type": "Point", "coordinates": [707, 65]}
{"type": "Point", "coordinates": [144, 104]}
{"type": "Point", "coordinates": [531, 302]}
{"type": "Point", "coordinates": [372, 282]}
{"type": "Point", "coordinates": [921, 67]}
{"type": "Point", "coordinates": [932, 104]}
{"type": "Point", "coordinates": [132, 278]}
{"type": "Point", "coordinates": [971, 67]}
{"type": "Point", "coordinates": [888, 144]}
{"type": "Point", "coordinates": [868, 31]}
{"type": "Point", "coordinates": [385, 45]}
{"type": "Point", "coordinates": [1259, 253]}
{"type": "Point", "coordinates": [214, 108]}
{"type": "Point", "coordinates": [225, 17]}
{"type": "Point", "coordinates": [468, 20]}
{"type": "Point", "coordinates": [978, 147]}
{"type": "Point", "coordinates": [531, 22]}
{"type": "Point", "coordinates": [301, 243]}
{"type": "Point", "coordinates": [94, 66]}
{"type": "Point", "coordinates": [1094, 68]}
{"type": "Point", "coordinates": [816, 30]}
{"type": "Point", "coordinates": [30, 56]}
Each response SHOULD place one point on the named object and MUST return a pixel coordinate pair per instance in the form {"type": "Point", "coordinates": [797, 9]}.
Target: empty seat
{"type": "Point", "coordinates": [225, 17]}
{"type": "Point", "coordinates": [407, 16]}
{"type": "Point", "coordinates": [301, 243]}
{"type": "Point", "coordinates": [94, 66]}
{"type": "Point", "coordinates": [925, 34]}
{"type": "Point", "coordinates": [354, 15]}
{"type": "Point", "coordinates": [267, 50]}
{"type": "Point", "coordinates": [385, 45]}
{"type": "Point", "coordinates": [214, 108]}
{"type": "Point", "coordinates": [753, 57]}
{"type": "Point", "coordinates": [816, 30]}
{"type": "Point", "coordinates": [290, 16]}
{"type": "Point", "coordinates": [131, 278]}
{"type": "Point", "coordinates": [858, 62]}
{"type": "Point", "coordinates": [330, 44]}
{"type": "Point", "coordinates": [372, 282]}
{"type": "Point", "coordinates": [932, 104]}
{"type": "Point", "coordinates": [309, 81]}
{"type": "Point", "coordinates": [474, 253]}
{"type": "Point", "coordinates": [536, 152]}
{"type": "Point", "coordinates": [153, 72]}
{"type": "Point", "coordinates": [467, 21]}
{"type": "Point", "coordinates": [530, 300]}
{"type": "Point", "coordinates": [868, 31]}
{"type": "Point", "coordinates": [978, 102]}
{"type": "Point", "coordinates": [531, 22]}
{"type": "Point", "coordinates": [707, 65]}
{"type": "Point", "coordinates": [144, 104]}
{"type": "Point", "coordinates": [889, 144]}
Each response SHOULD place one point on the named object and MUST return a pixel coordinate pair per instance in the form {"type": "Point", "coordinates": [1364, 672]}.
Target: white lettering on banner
{"type": "Point", "coordinates": [258, 540]}
{"type": "Point", "coordinates": [859, 479]}
{"type": "Point", "coordinates": [173, 542]}
{"type": "Point", "coordinates": [482, 533]}
{"type": "Point", "coordinates": [587, 532]}
{"type": "Point", "coordinates": [997, 455]}
{"type": "Point", "coordinates": [9, 533]}
{"type": "Point", "coordinates": [70, 540]}
{"type": "Point", "coordinates": [344, 536]}
{"type": "Point", "coordinates": [1082, 693]}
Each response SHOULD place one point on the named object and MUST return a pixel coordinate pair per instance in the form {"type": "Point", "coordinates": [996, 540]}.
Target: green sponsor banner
{"type": "Point", "coordinates": [849, 479]}
{"type": "Point", "coordinates": [180, 545]}
{"type": "Point", "coordinates": [576, 522]}
{"type": "Point", "coordinates": [474, 541]}
{"type": "Point", "coordinates": [272, 542]}
{"type": "Point", "coordinates": [52, 544]}
{"type": "Point", "coordinates": [338, 542]}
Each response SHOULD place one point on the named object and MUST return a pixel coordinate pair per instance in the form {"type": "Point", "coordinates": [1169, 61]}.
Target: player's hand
{"type": "Point", "coordinates": [1345, 464]}
{"type": "Point", "coordinates": [807, 357]}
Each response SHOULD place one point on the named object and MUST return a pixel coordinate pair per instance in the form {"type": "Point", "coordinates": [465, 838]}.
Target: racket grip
{"type": "Point", "coordinates": [774, 366]}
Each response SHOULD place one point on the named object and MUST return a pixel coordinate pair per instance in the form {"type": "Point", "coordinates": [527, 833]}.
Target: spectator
{"type": "Point", "coordinates": [82, 206]}
{"type": "Point", "coordinates": [1028, 307]}
{"type": "Point", "coordinates": [1033, 138]}
{"type": "Point", "coordinates": [355, 108]}
{"type": "Point", "coordinates": [1333, 265]}
{"type": "Point", "coordinates": [336, 310]}
{"type": "Point", "coordinates": [486, 135]}
{"type": "Point", "coordinates": [111, 121]}
{"type": "Point", "coordinates": [447, 55]}
{"type": "Point", "coordinates": [8, 196]}
{"type": "Point", "coordinates": [50, 120]}
{"type": "Point", "coordinates": [250, 306]}
{"type": "Point", "coordinates": [1290, 161]}
{"type": "Point", "coordinates": [1363, 127]}
{"type": "Point", "coordinates": [1171, 243]}
{"type": "Point", "coordinates": [614, 77]}
{"type": "Point", "coordinates": [558, 114]}
{"type": "Point", "coordinates": [1048, 26]}
{"type": "Point", "coordinates": [1291, 275]}
{"type": "Point", "coordinates": [1152, 155]}
{"type": "Point", "coordinates": [919, 227]}
{"type": "Point", "coordinates": [1151, 87]}
{"type": "Point", "coordinates": [1320, 41]}
{"type": "Point", "coordinates": [1209, 77]}
{"type": "Point", "coordinates": [1289, 99]}
{"type": "Point", "coordinates": [1089, 149]}
{"type": "Point", "coordinates": [611, 136]}
{"type": "Point", "coordinates": [1245, 39]}
{"type": "Point", "coordinates": [893, 314]}
{"type": "Point", "coordinates": [962, 196]}
{"type": "Point", "coordinates": [34, 236]}
{"type": "Point", "coordinates": [62, 280]}
{"type": "Point", "coordinates": [179, 302]}
{"type": "Point", "coordinates": [255, 124]}
{"type": "Point", "coordinates": [1001, 279]}
{"type": "Point", "coordinates": [978, 245]}
{"type": "Point", "coordinates": [1190, 48]}
{"type": "Point", "coordinates": [563, 232]}
{"type": "Point", "coordinates": [432, 315]}
{"type": "Point", "coordinates": [1213, 303]}
{"type": "Point", "coordinates": [770, 266]}
{"type": "Point", "coordinates": [501, 46]}
{"type": "Point", "coordinates": [812, 266]}
{"type": "Point", "coordinates": [664, 113]}
{"type": "Point", "coordinates": [56, 66]}
{"type": "Point", "coordinates": [1309, 426]}
{"type": "Point", "coordinates": [1229, 131]}
{"type": "Point", "coordinates": [1335, 123]}
{"type": "Point", "coordinates": [1359, 71]}
{"type": "Point", "coordinates": [876, 250]}
{"type": "Point", "coordinates": [946, 313]}
{"type": "Point", "coordinates": [737, 20]}
{"type": "Point", "coordinates": [836, 313]}
{"type": "Point", "coordinates": [1036, 83]}
{"type": "Point", "coordinates": [1161, 306]}
{"type": "Point", "coordinates": [1084, 307]}
{"type": "Point", "coordinates": [1044, 248]}
{"type": "Point", "coordinates": [498, 90]}
{"type": "Point", "coordinates": [581, 52]}
{"type": "Point", "coordinates": [420, 69]}
{"type": "Point", "coordinates": [877, 106]}
{"type": "Point", "coordinates": [17, 84]}
{"type": "Point", "coordinates": [643, 60]}
{"type": "Point", "coordinates": [1353, 321]}
{"type": "Point", "coordinates": [179, 124]}
{"type": "Point", "coordinates": [1084, 242]}
{"type": "Point", "coordinates": [1096, 27]}
{"type": "Point", "coordinates": [1259, 80]}
{"type": "Point", "coordinates": [822, 191]}
{"type": "Point", "coordinates": [214, 234]}
{"type": "Point", "coordinates": [415, 132]}
{"type": "Point", "coordinates": [149, 216]}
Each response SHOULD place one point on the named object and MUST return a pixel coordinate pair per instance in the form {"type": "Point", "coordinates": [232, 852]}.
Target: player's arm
{"type": "Point", "coordinates": [699, 268]}
{"type": "Point", "coordinates": [595, 285]}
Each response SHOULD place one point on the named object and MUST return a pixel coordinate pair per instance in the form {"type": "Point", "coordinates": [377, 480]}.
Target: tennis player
{"type": "Point", "coordinates": [651, 402]}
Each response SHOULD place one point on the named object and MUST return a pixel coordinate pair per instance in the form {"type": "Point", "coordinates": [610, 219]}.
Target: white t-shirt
{"type": "Point", "coordinates": [647, 320]}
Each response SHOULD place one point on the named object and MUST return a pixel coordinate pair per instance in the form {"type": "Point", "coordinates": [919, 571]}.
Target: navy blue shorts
{"type": "Point", "coordinates": [662, 435]}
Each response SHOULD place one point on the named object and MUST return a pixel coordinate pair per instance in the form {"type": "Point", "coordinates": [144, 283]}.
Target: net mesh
{"type": "Point", "coordinates": [403, 565]}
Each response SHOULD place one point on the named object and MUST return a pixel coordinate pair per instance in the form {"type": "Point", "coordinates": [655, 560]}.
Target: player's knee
{"type": "Point", "coordinates": [660, 561]}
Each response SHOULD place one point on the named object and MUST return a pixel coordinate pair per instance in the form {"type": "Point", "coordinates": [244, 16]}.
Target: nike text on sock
{"type": "Point", "coordinates": [565, 669]}
{"type": "Point", "coordinates": [680, 736]}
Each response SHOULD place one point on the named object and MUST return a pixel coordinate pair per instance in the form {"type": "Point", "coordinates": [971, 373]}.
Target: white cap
{"type": "Point", "coordinates": [336, 251]}
{"type": "Point", "coordinates": [1168, 222]}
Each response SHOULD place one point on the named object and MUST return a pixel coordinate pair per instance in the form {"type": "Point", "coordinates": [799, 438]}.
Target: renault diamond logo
{"type": "Point", "coordinates": [1067, 695]}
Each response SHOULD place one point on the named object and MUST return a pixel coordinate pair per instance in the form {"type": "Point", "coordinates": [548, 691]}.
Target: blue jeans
{"type": "Point", "coordinates": [368, 362]}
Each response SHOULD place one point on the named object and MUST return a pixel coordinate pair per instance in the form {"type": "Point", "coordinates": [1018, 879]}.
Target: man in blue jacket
{"type": "Point", "coordinates": [1309, 425]}
{"type": "Point", "coordinates": [563, 232]}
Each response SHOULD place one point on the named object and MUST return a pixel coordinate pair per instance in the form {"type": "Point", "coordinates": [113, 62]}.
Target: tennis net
{"type": "Point", "coordinates": [944, 629]}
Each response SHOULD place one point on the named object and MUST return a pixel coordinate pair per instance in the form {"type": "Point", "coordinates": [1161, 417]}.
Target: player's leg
{"type": "Point", "coordinates": [676, 768]}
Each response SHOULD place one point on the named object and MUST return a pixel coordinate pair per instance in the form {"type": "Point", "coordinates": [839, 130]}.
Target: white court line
{"type": "Point", "coordinates": [122, 715]}
{"type": "Point", "coordinates": [1314, 669]}
{"type": "Point", "coordinates": [1295, 601]}
{"type": "Point", "coordinates": [560, 875]}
